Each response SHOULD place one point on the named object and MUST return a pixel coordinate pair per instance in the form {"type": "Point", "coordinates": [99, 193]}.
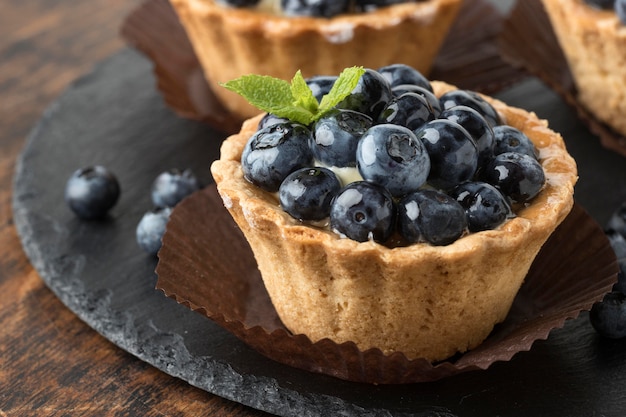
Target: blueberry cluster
{"type": "Point", "coordinates": [319, 8]}
{"type": "Point", "coordinates": [392, 159]}
{"type": "Point", "coordinates": [618, 5]}
{"type": "Point", "coordinates": [608, 317]}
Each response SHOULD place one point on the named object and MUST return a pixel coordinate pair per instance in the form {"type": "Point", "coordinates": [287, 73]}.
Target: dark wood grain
{"type": "Point", "coordinates": [51, 363]}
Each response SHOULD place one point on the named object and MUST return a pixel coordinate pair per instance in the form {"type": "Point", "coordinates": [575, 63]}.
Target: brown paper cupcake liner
{"type": "Point", "coordinates": [528, 42]}
{"type": "Point", "coordinates": [206, 264]}
{"type": "Point", "coordinates": [469, 59]}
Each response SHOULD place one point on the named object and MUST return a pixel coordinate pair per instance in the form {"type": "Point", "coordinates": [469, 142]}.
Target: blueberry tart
{"type": "Point", "coordinates": [400, 258]}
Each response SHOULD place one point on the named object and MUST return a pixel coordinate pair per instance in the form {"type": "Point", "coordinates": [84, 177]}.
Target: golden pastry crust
{"type": "Point", "coordinates": [594, 43]}
{"type": "Point", "coordinates": [425, 301]}
{"type": "Point", "coordinates": [233, 42]}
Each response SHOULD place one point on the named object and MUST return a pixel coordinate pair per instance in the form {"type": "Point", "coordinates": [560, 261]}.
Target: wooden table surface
{"type": "Point", "coordinates": [51, 363]}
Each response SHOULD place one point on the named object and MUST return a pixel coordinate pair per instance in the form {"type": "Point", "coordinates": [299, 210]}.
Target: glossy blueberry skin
{"type": "Point", "coordinates": [452, 151]}
{"type": "Point", "coordinates": [473, 100]}
{"type": "Point", "coordinates": [306, 194]}
{"type": "Point", "coordinates": [431, 216]}
{"type": "Point", "coordinates": [618, 244]}
{"type": "Point", "coordinates": [393, 157]}
{"type": "Point", "coordinates": [485, 207]}
{"type": "Point", "coordinates": [608, 317]}
{"type": "Point", "coordinates": [399, 74]}
{"type": "Point", "coordinates": [269, 120]}
{"type": "Point", "coordinates": [370, 96]}
{"type": "Point", "coordinates": [239, 3]}
{"type": "Point", "coordinates": [476, 126]}
{"type": "Point", "coordinates": [510, 139]}
{"type": "Point", "coordinates": [363, 211]}
{"type": "Point", "coordinates": [314, 8]}
{"type": "Point", "coordinates": [617, 221]}
{"type": "Point", "coordinates": [409, 110]}
{"type": "Point", "coordinates": [428, 95]}
{"type": "Point", "coordinates": [91, 192]}
{"type": "Point", "coordinates": [151, 228]}
{"type": "Point", "coordinates": [171, 186]}
{"type": "Point", "coordinates": [517, 176]}
{"type": "Point", "coordinates": [336, 136]}
{"type": "Point", "coordinates": [321, 85]}
{"type": "Point", "coordinates": [275, 152]}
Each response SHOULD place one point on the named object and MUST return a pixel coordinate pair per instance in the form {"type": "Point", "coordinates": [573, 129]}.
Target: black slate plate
{"type": "Point", "coordinates": [115, 117]}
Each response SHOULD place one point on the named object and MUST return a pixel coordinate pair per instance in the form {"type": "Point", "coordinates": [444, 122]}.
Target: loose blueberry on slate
{"type": "Point", "coordinates": [275, 152]}
{"type": "Point", "coordinates": [510, 139]}
{"type": "Point", "coordinates": [151, 228]}
{"type": "Point", "coordinates": [485, 207]}
{"type": "Point", "coordinates": [608, 317]}
{"type": "Point", "coordinates": [321, 85]}
{"type": "Point", "coordinates": [171, 186]}
{"type": "Point", "coordinates": [618, 244]}
{"type": "Point", "coordinates": [410, 110]}
{"type": "Point", "coordinates": [393, 157]}
{"type": "Point", "coordinates": [476, 126]}
{"type": "Point", "coordinates": [430, 97]}
{"type": "Point", "coordinates": [91, 192]}
{"type": "Point", "coordinates": [370, 96]}
{"type": "Point", "coordinates": [473, 100]}
{"type": "Point", "coordinates": [363, 211]}
{"type": "Point", "coordinates": [431, 216]}
{"type": "Point", "coordinates": [452, 151]}
{"type": "Point", "coordinates": [398, 74]}
{"type": "Point", "coordinates": [517, 176]}
{"type": "Point", "coordinates": [336, 136]}
{"type": "Point", "coordinates": [306, 194]}
{"type": "Point", "coordinates": [314, 8]}
{"type": "Point", "coordinates": [617, 221]}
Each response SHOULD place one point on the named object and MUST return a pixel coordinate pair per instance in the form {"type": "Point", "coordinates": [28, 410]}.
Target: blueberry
{"type": "Point", "coordinates": [239, 3]}
{"type": "Point", "coordinates": [428, 95]}
{"type": "Point", "coordinates": [431, 216]}
{"type": "Point", "coordinates": [485, 207]}
{"type": "Point", "coordinates": [370, 96]}
{"type": "Point", "coordinates": [321, 85]}
{"type": "Point", "coordinates": [511, 139]}
{"type": "Point", "coordinates": [476, 126]}
{"type": "Point", "coordinates": [409, 110]}
{"type": "Point", "coordinates": [393, 157]}
{"type": "Point", "coordinates": [398, 74]}
{"type": "Point", "coordinates": [517, 176]}
{"type": "Point", "coordinates": [306, 194]}
{"type": "Point", "coordinates": [368, 5]}
{"type": "Point", "coordinates": [151, 228]}
{"type": "Point", "coordinates": [336, 135]}
{"type": "Point", "coordinates": [91, 192]}
{"type": "Point", "coordinates": [618, 244]}
{"type": "Point", "coordinates": [608, 317]}
{"type": "Point", "coordinates": [314, 8]}
{"type": "Point", "coordinates": [617, 221]}
{"type": "Point", "coordinates": [274, 152]}
{"type": "Point", "coordinates": [363, 211]}
{"type": "Point", "coordinates": [620, 285]}
{"type": "Point", "coordinates": [620, 10]}
{"type": "Point", "coordinates": [473, 100]}
{"type": "Point", "coordinates": [452, 151]}
{"type": "Point", "coordinates": [601, 4]}
{"type": "Point", "coordinates": [269, 120]}
{"type": "Point", "coordinates": [170, 187]}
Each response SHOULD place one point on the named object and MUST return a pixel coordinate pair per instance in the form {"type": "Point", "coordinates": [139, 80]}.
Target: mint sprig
{"type": "Point", "coordinates": [294, 101]}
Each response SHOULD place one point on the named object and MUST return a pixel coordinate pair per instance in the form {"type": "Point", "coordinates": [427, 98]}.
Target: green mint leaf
{"type": "Point", "coordinates": [343, 86]}
{"type": "Point", "coordinates": [293, 101]}
{"type": "Point", "coordinates": [302, 94]}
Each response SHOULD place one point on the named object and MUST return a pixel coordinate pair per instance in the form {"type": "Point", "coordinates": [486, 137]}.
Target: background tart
{"type": "Point", "coordinates": [230, 42]}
